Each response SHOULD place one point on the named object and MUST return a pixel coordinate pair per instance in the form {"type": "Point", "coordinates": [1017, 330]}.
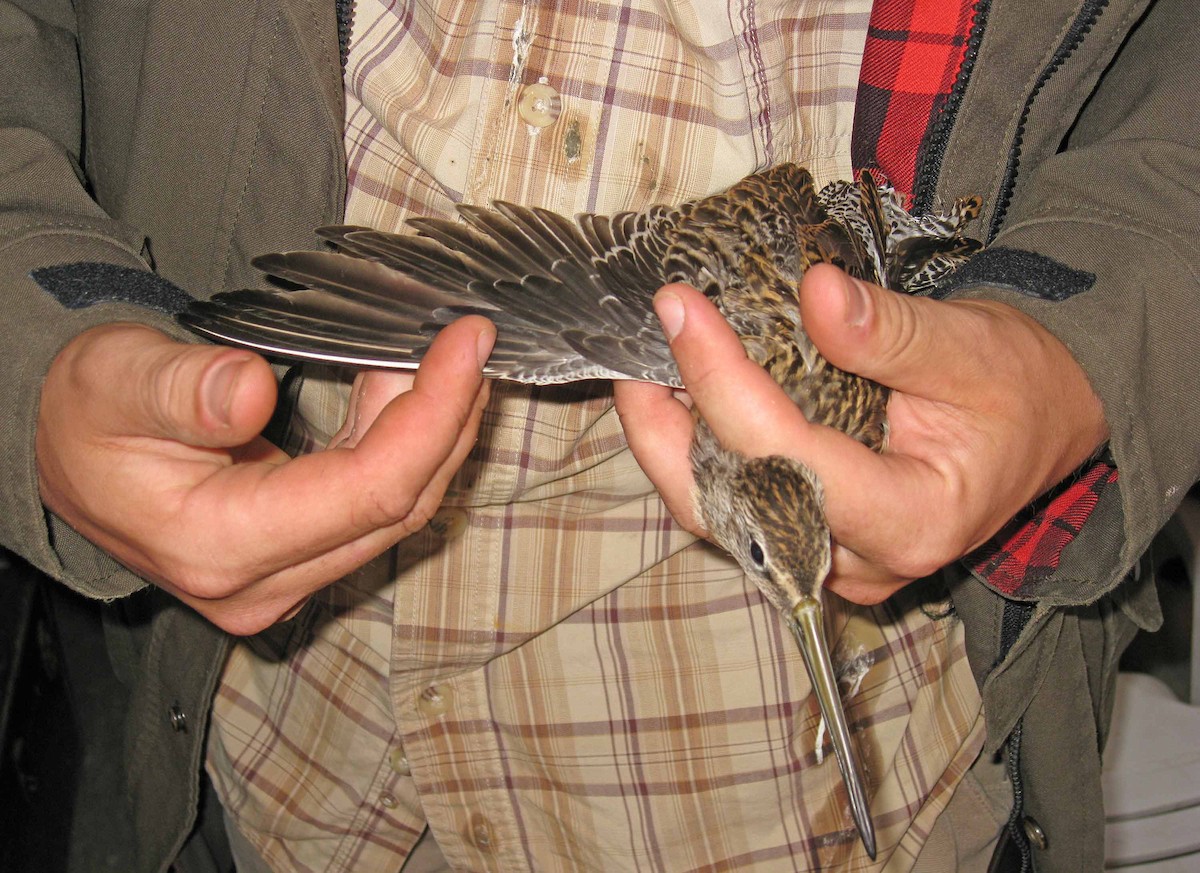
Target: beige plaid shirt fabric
{"type": "Point", "coordinates": [553, 676]}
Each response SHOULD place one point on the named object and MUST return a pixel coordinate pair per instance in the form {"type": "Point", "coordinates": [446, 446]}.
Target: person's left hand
{"type": "Point", "coordinates": [989, 410]}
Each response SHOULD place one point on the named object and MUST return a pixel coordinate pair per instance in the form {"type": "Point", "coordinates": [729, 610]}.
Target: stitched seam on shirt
{"type": "Point", "coordinates": [763, 122]}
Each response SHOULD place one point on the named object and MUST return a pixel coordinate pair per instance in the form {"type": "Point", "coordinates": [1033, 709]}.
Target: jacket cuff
{"type": "Point", "coordinates": [1098, 308]}
{"type": "Point", "coordinates": [35, 327]}
{"type": "Point", "coordinates": [1020, 562]}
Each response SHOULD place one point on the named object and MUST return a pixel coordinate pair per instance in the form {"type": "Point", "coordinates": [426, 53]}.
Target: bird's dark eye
{"type": "Point", "coordinates": [756, 554]}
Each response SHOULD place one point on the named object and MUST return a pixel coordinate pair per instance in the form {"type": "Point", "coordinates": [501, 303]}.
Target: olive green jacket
{"type": "Point", "coordinates": [188, 137]}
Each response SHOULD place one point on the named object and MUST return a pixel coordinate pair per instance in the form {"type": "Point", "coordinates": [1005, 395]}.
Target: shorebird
{"type": "Point", "coordinates": [571, 300]}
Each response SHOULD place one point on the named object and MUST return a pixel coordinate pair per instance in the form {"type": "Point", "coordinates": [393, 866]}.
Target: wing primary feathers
{"type": "Point", "coordinates": [507, 234]}
{"type": "Point", "coordinates": [354, 279]}
{"type": "Point", "coordinates": [571, 297]}
{"type": "Point", "coordinates": [425, 259]}
{"type": "Point", "coordinates": [478, 251]}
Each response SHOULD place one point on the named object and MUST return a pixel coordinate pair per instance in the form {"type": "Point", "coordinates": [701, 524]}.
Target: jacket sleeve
{"type": "Point", "coordinates": [1120, 204]}
{"type": "Point", "coordinates": [48, 218]}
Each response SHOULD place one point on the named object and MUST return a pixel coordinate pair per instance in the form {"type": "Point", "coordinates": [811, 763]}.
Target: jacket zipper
{"type": "Point", "coordinates": [345, 21]}
{"type": "Point", "coordinates": [933, 150]}
{"type": "Point", "coordinates": [937, 139]}
{"type": "Point", "coordinates": [1083, 23]}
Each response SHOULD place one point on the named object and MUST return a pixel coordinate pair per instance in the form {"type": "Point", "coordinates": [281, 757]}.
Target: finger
{"type": "Point", "coordinates": [371, 392]}
{"type": "Point", "coordinates": [746, 409]}
{"type": "Point", "coordinates": [750, 414]}
{"type": "Point", "coordinates": [317, 503]}
{"type": "Point", "coordinates": [447, 395]}
{"type": "Point", "coordinates": [431, 496]}
{"type": "Point", "coordinates": [903, 342]}
{"type": "Point", "coordinates": [145, 384]}
{"type": "Point", "coordinates": [658, 427]}
{"type": "Point", "coordinates": [338, 440]}
{"type": "Point", "coordinates": [740, 401]}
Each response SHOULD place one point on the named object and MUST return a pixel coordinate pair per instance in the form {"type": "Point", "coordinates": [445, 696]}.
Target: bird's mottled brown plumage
{"type": "Point", "coordinates": [571, 300]}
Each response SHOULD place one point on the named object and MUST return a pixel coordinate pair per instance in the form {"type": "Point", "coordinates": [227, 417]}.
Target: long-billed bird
{"type": "Point", "coordinates": [571, 300]}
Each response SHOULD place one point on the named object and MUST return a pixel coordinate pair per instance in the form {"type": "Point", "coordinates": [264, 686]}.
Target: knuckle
{"type": "Point", "coordinates": [210, 583]}
{"type": "Point", "coordinates": [933, 547]}
{"type": "Point", "coordinates": [154, 394]}
{"type": "Point", "coordinates": [420, 513]}
{"type": "Point", "coordinates": [246, 622]}
{"type": "Point", "coordinates": [210, 574]}
{"type": "Point", "coordinates": [918, 564]}
{"type": "Point", "coordinates": [901, 332]}
{"type": "Point", "coordinates": [378, 510]}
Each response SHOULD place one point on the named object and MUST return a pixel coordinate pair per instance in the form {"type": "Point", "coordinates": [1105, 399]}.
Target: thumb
{"type": "Point", "coordinates": [195, 394]}
{"type": "Point", "coordinates": [900, 341]}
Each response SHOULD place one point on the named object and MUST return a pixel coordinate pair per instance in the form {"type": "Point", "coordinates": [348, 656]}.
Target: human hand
{"type": "Point", "coordinates": [988, 411]}
{"type": "Point", "coordinates": [151, 449]}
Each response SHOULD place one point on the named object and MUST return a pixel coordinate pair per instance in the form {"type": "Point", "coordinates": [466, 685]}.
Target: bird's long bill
{"type": "Point", "coordinates": [808, 625]}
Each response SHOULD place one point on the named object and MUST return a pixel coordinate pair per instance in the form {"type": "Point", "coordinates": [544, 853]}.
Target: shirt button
{"type": "Point", "coordinates": [434, 701]}
{"type": "Point", "coordinates": [178, 719]}
{"type": "Point", "coordinates": [399, 762]}
{"type": "Point", "coordinates": [388, 799]}
{"type": "Point", "coordinates": [480, 833]}
{"type": "Point", "coordinates": [1033, 830]}
{"type": "Point", "coordinates": [539, 104]}
{"type": "Point", "coordinates": [448, 524]}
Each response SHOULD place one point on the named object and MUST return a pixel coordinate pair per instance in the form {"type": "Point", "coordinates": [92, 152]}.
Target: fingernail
{"type": "Point", "coordinates": [856, 303]}
{"type": "Point", "coordinates": [483, 346]}
{"type": "Point", "coordinates": [219, 388]}
{"type": "Point", "coordinates": [670, 314]}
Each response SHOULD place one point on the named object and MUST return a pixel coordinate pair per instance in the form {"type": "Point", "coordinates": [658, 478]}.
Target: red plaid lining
{"type": "Point", "coordinates": [913, 55]}
{"type": "Point", "coordinates": [914, 51]}
{"type": "Point", "coordinates": [1029, 549]}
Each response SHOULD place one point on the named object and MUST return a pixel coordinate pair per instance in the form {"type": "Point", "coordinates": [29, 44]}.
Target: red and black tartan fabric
{"type": "Point", "coordinates": [1028, 550]}
{"type": "Point", "coordinates": [914, 52]}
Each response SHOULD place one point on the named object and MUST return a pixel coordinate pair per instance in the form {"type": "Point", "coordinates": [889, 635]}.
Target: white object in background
{"type": "Point", "coordinates": [1152, 763]}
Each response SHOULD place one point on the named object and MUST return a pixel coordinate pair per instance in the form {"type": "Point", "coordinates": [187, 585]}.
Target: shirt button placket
{"type": "Point", "coordinates": [539, 105]}
{"type": "Point", "coordinates": [434, 701]}
{"type": "Point", "coordinates": [480, 833]}
{"type": "Point", "coordinates": [399, 762]}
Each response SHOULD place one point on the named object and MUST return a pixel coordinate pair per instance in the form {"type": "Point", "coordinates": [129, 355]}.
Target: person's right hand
{"type": "Point", "coordinates": [988, 410]}
{"type": "Point", "coordinates": [151, 449]}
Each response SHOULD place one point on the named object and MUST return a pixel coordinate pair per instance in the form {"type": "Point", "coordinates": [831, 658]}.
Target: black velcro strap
{"type": "Point", "coordinates": [1028, 273]}
{"type": "Point", "coordinates": [86, 283]}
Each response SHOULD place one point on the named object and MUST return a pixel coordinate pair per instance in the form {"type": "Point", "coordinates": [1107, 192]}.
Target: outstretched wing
{"type": "Point", "coordinates": [571, 300]}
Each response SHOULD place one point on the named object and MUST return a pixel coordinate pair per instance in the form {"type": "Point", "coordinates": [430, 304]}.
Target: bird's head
{"type": "Point", "coordinates": [775, 527]}
{"type": "Point", "coordinates": [768, 513]}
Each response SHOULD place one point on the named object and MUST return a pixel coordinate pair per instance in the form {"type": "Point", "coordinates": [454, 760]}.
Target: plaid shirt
{"type": "Point", "coordinates": [553, 676]}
